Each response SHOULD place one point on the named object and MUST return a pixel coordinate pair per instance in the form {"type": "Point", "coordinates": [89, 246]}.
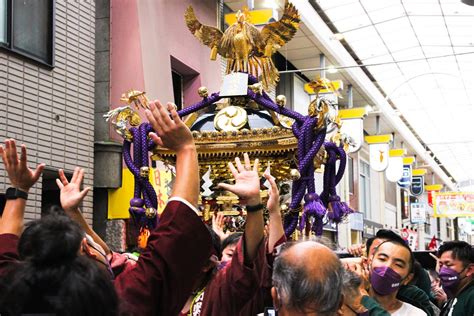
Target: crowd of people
{"type": "Point", "coordinates": [58, 265]}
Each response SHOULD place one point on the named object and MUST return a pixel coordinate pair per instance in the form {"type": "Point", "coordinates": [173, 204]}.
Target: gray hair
{"type": "Point", "coordinates": [302, 292]}
{"type": "Point", "coordinates": [351, 283]}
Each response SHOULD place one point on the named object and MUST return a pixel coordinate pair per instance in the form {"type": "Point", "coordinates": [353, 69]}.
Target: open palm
{"type": "Point", "coordinates": [247, 181]}
{"type": "Point", "coordinates": [71, 195]}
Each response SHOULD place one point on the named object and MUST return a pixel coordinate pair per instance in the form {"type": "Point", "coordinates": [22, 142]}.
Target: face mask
{"type": "Point", "coordinates": [449, 279]}
{"type": "Point", "coordinates": [384, 280]}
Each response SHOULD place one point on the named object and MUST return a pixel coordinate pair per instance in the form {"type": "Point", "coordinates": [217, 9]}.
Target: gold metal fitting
{"type": "Point", "coordinates": [144, 172]}
{"type": "Point", "coordinates": [150, 212]}
{"type": "Point", "coordinates": [257, 88]}
{"type": "Point", "coordinates": [281, 100]}
{"type": "Point", "coordinates": [203, 92]}
{"type": "Point", "coordinates": [295, 174]}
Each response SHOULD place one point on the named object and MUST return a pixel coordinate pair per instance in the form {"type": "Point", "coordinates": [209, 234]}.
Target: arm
{"type": "Point", "coordinates": [176, 136]}
{"type": "Point", "coordinates": [247, 188]}
{"type": "Point", "coordinates": [178, 248]}
{"type": "Point", "coordinates": [71, 196]}
{"type": "Point", "coordinates": [276, 230]}
{"type": "Point", "coordinates": [22, 178]}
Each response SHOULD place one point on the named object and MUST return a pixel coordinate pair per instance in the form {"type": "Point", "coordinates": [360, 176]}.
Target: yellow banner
{"type": "Point", "coordinates": [418, 172]}
{"type": "Point", "coordinates": [119, 199]}
{"type": "Point", "coordinates": [397, 152]}
{"type": "Point", "coordinates": [353, 113]}
{"type": "Point", "coordinates": [379, 139]}
{"type": "Point", "coordinates": [257, 17]}
{"type": "Point", "coordinates": [433, 187]}
{"type": "Point", "coordinates": [453, 204]}
{"type": "Point", "coordinates": [408, 160]}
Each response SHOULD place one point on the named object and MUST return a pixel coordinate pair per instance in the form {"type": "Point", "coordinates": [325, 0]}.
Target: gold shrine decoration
{"type": "Point", "coordinates": [246, 48]}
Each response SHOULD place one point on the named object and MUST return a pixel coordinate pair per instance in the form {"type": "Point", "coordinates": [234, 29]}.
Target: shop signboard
{"type": "Point", "coordinates": [394, 170]}
{"type": "Point", "coordinates": [417, 186]}
{"type": "Point", "coordinates": [431, 189]}
{"type": "Point", "coordinates": [418, 213]}
{"type": "Point", "coordinates": [405, 181]}
{"type": "Point", "coordinates": [356, 221]}
{"type": "Point", "coordinates": [378, 151]}
{"type": "Point", "coordinates": [453, 204]}
{"type": "Point", "coordinates": [371, 228]}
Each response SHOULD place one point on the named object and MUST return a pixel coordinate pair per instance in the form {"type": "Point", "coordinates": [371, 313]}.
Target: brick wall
{"type": "Point", "coordinates": [52, 111]}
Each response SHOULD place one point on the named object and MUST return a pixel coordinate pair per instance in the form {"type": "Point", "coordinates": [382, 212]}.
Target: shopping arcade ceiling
{"type": "Point", "coordinates": [420, 54]}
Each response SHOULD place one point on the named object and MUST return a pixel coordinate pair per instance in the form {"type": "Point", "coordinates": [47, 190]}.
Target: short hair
{"type": "Point", "coordinates": [351, 284]}
{"type": "Point", "coordinates": [231, 240]}
{"type": "Point", "coordinates": [385, 234]}
{"type": "Point", "coordinates": [300, 291]}
{"type": "Point", "coordinates": [52, 277]}
{"type": "Point", "coordinates": [461, 251]}
{"type": "Point", "coordinates": [401, 242]}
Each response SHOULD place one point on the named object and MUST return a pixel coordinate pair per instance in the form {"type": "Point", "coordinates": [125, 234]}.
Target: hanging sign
{"type": "Point", "coordinates": [417, 186]}
{"type": "Point", "coordinates": [405, 181]}
{"type": "Point", "coordinates": [352, 126]}
{"type": "Point", "coordinates": [418, 213]}
{"type": "Point", "coordinates": [453, 204]}
{"type": "Point", "coordinates": [431, 189]}
{"type": "Point", "coordinates": [378, 151]}
{"type": "Point", "coordinates": [394, 170]}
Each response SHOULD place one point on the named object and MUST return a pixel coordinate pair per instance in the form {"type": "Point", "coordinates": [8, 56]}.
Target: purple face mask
{"type": "Point", "coordinates": [384, 280]}
{"type": "Point", "coordinates": [449, 279]}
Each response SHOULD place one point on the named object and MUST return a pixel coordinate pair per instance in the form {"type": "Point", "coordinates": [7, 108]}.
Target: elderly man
{"type": "Point", "coordinates": [307, 280]}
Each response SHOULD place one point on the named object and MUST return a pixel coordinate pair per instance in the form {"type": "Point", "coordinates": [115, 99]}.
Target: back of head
{"type": "Point", "coordinates": [461, 251]}
{"type": "Point", "coordinates": [53, 277]}
{"type": "Point", "coordinates": [307, 277]}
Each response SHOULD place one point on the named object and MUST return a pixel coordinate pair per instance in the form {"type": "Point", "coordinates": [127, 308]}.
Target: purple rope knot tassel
{"type": "Point", "coordinates": [144, 194]}
{"type": "Point", "coordinates": [337, 210]}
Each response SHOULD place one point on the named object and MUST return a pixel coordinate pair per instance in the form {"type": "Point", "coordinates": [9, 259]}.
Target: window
{"type": "Point", "coordinates": [364, 189]}
{"type": "Point", "coordinates": [177, 89]}
{"type": "Point", "coordinates": [27, 28]}
{"type": "Point", "coordinates": [185, 82]}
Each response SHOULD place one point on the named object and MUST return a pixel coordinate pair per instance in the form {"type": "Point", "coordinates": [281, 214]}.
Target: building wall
{"type": "Point", "coordinates": [52, 111]}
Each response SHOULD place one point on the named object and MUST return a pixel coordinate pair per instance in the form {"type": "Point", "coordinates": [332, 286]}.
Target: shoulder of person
{"type": "Point", "coordinates": [412, 310]}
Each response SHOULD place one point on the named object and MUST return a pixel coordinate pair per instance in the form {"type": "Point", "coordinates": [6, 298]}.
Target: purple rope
{"type": "Point", "coordinates": [200, 105]}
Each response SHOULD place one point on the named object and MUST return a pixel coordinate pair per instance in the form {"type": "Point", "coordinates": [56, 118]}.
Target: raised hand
{"type": "Point", "coordinates": [71, 194]}
{"type": "Point", "coordinates": [218, 225]}
{"type": "Point", "coordinates": [21, 177]}
{"type": "Point", "coordinates": [273, 203]}
{"type": "Point", "coordinates": [357, 250]}
{"type": "Point", "coordinates": [247, 182]}
{"type": "Point", "coordinates": [170, 132]}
